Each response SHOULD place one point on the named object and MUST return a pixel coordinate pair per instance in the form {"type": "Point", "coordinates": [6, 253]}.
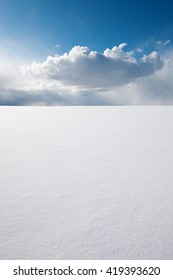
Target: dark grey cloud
{"type": "Point", "coordinates": [13, 97]}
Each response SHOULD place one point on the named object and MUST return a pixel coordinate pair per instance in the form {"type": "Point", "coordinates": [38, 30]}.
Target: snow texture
{"type": "Point", "coordinates": [86, 182]}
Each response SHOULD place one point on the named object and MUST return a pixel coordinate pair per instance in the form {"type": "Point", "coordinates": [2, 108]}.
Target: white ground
{"type": "Point", "coordinates": [86, 182]}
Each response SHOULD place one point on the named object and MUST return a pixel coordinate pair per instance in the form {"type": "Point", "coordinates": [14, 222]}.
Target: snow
{"type": "Point", "coordinates": [86, 182]}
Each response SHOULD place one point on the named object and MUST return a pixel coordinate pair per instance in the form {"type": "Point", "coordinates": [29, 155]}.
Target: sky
{"type": "Point", "coordinates": [57, 52]}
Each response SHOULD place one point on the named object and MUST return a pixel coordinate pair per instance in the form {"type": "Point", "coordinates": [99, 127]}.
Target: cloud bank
{"type": "Point", "coordinates": [86, 77]}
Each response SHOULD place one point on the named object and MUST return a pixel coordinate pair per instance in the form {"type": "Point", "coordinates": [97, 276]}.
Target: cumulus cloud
{"type": "Point", "coordinates": [85, 77]}
{"type": "Point", "coordinates": [85, 68]}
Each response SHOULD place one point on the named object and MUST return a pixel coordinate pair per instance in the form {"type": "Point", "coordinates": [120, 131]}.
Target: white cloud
{"type": "Point", "coordinates": [85, 68]}
{"type": "Point", "coordinates": [139, 50]}
{"type": "Point", "coordinates": [85, 77]}
{"type": "Point", "coordinates": [10, 75]}
{"type": "Point", "coordinates": [163, 43]}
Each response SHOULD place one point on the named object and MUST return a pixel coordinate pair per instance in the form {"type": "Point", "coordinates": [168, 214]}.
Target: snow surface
{"type": "Point", "coordinates": [86, 182]}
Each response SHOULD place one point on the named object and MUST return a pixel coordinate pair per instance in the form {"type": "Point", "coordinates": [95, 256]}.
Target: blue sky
{"type": "Point", "coordinates": [96, 24]}
{"type": "Point", "coordinates": [33, 30]}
